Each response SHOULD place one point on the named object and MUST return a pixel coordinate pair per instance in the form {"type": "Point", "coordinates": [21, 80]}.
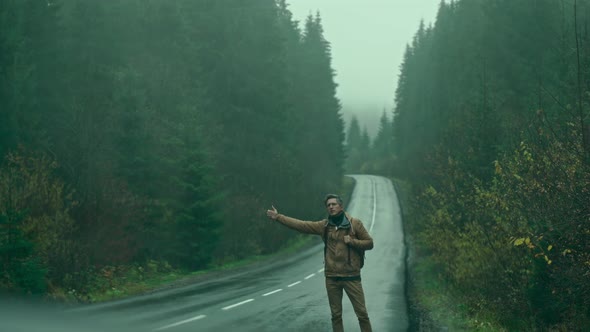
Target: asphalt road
{"type": "Point", "coordinates": [288, 295]}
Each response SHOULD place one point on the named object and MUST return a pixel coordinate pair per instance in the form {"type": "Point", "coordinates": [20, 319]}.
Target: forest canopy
{"type": "Point", "coordinates": [491, 130]}
{"type": "Point", "coordinates": [134, 132]}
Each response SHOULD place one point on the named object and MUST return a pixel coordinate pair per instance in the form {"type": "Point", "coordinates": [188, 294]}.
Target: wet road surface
{"type": "Point", "coordinates": [288, 295]}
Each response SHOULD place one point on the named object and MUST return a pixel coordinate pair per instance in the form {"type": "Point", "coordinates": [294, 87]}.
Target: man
{"type": "Point", "coordinates": [345, 239]}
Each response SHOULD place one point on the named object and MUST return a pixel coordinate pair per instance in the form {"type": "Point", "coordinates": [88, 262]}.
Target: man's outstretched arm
{"type": "Point", "coordinates": [308, 227]}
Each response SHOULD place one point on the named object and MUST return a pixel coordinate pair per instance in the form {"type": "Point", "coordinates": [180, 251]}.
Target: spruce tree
{"type": "Point", "coordinates": [323, 145]}
{"type": "Point", "coordinates": [353, 147]}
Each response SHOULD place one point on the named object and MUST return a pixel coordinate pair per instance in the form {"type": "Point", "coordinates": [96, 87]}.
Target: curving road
{"type": "Point", "coordinates": [288, 295]}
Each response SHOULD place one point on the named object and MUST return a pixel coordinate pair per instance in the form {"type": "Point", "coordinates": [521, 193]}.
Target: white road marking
{"type": "Point", "coordinates": [180, 323]}
{"type": "Point", "coordinates": [237, 304]}
{"type": "Point", "coordinates": [274, 291]}
{"type": "Point", "coordinates": [374, 206]}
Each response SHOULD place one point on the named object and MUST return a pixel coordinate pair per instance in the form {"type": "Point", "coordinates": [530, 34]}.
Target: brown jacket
{"type": "Point", "coordinates": [336, 262]}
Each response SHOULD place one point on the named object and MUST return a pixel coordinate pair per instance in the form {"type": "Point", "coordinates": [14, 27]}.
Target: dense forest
{"type": "Point", "coordinates": [153, 134]}
{"type": "Point", "coordinates": [491, 132]}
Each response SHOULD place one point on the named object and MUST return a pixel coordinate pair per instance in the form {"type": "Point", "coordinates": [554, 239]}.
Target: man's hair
{"type": "Point", "coordinates": [338, 199]}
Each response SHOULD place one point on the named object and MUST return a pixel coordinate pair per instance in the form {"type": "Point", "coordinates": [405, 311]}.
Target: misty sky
{"type": "Point", "coordinates": [368, 40]}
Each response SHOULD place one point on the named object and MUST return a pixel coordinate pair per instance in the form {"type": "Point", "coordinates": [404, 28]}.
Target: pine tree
{"type": "Point", "coordinates": [27, 49]}
{"type": "Point", "coordinates": [323, 145]}
{"type": "Point", "coordinates": [353, 147]}
{"type": "Point", "coordinates": [195, 218]}
{"type": "Point", "coordinates": [21, 270]}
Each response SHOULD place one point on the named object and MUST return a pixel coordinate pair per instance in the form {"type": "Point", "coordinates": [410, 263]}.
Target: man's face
{"type": "Point", "coordinates": [333, 207]}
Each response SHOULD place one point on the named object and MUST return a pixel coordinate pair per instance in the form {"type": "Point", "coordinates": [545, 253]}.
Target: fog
{"type": "Point", "coordinates": [368, 41]}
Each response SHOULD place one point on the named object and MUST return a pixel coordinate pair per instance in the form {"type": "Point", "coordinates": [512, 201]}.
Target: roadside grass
{"type": "Point", "coordinates": [113, 283]}
{"type": "Point", "coordinates": [117, 282]}
{"type": "Point", "coordinates": [436, 305]}
{"type": "Point", "coordinates": [433, 305]}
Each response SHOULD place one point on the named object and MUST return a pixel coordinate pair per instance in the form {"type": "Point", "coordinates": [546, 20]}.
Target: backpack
{"type": "Point", "coordinates": [350, 232]}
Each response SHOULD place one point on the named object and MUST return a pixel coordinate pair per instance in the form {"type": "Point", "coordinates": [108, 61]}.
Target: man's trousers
{"type": "Point", "coordinates": [354, 290]}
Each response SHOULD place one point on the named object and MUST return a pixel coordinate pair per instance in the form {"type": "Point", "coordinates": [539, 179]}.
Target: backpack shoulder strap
{"type": "Point", "coordinates": [325, 238]}
{"type": "Point", "coordinates": [352, 221]}
{"type": "Point", "coordinates": [359, 251]}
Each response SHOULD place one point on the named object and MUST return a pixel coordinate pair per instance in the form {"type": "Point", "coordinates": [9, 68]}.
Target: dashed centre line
{"type": "Point", "coordinates": [374, 206]}
{"type": "Point", "coordinates": [274, 291]}
{"type": "Point", "coordinates": [373, 218]}
{"type": "Point", "coordinates": [237, 304]}
{"type": "Point", "coordinates": [233, 305]}
{"type": "Point", "coordinates": [180, 323]}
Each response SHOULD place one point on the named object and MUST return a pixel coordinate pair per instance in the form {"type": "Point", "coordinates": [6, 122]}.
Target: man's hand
{"type": "Point", "coordinates": [272, 214]}
{"type": "Point", "coordinates": [347, 239]}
